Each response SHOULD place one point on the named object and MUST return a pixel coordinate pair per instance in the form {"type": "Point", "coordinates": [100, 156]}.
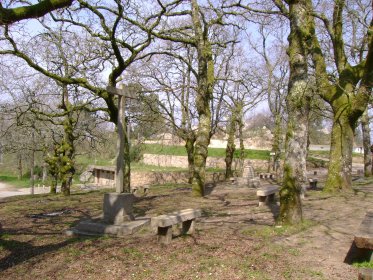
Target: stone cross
{"type": "Point", "coordinates": [122, 93]}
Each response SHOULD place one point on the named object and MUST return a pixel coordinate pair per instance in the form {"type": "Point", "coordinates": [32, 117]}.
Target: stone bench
{"type": "Point", "coordinates": [144, 189]}
{"type": "Point", "coordinates": [266, 194]}
{"type": "Point", "coordinates": [164, 223]}
{"type": "Point", "coordinates": [313, 184]}
{"type": "Point", "coordinates": [364, 242]}
{"type": "Point", "coordinates": [364, 236]}
{"type": "Point", "coordinates": [266, 176]}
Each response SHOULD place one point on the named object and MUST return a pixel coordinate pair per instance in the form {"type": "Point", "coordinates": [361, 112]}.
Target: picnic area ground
{"type": "Point", "coordinates": [234, 239]}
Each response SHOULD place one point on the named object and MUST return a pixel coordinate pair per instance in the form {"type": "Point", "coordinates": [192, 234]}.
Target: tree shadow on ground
{"type": "Point", "coordinates": [23, 251]}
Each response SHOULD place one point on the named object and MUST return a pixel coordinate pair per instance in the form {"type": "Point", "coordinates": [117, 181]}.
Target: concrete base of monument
{"type": "Point", "coordinates": [98, 227]}
{"type": "Point", "coordinates": [117, 219]}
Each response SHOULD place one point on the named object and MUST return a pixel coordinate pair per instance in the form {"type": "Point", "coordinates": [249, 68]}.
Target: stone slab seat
{"type": "Point", "coordinates": [164, 223]}
{"type": "Point", "coordinates": [364, 236]}
{"type": "Point", "coordinates": [266, 194]}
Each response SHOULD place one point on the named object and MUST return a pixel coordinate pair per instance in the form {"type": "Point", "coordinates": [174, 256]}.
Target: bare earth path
{"type": "Point", "coordinates": [7, 190]}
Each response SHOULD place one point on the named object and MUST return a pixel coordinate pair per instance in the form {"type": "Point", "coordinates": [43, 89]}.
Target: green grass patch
{"type": "Point", "coordinates": [267, 232]}
{"type": "Point", "coordinates": [14, 181]}
{"type": "Point", "coordinates": [365, 264]}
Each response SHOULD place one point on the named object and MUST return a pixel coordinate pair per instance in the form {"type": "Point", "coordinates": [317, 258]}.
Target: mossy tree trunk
{"type": "Point", "coordinates": [231, 147]}
{"type": "Point", "coordinates": [127, 159]}
{"type": "Point", "coordinates": [276, 144]}
{"type": "Point", "coordinates": [348, 96]}
{"type": "Point", "coordinates": [205, 84]}
{"type": "Point", "coordinates": [298, 105]}
{"type": "Point", "coordinates": [340, 157]}
{"type": "Point", "coordinates": [67, 147]}
{"type": "Point", "coordinates": [366, 144]}
{"type": "Point", "coordinates": [189, 146]}
{"type": "Point", "coordinates": [241, 141]}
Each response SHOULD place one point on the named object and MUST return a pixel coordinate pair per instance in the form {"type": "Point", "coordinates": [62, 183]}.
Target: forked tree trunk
{"type": "Point", "coordinates": [366, 144]}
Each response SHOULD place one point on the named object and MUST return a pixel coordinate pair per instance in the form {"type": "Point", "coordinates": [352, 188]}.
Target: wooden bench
{"type": "Point", "coordinates": [266, 194]}
{"type": "Point", "coordinates": [164, 223]}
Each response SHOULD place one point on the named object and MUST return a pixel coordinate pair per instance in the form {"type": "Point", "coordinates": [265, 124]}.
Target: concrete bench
{"type": "Point", "coordinates": [266, 194]}
{"type": "Point", "coordinates": [313, 184]}
{"type": "Point", "coordinates": [164, 223]}
{"type": "Point", "coordinates": [266, 176]}
{"type": "Point", "coordinates": [233, 180]}
{"type": "Point", "coordinates": [144, 189]}
{"type": "Point", "coordinates": [364, 242]}
{"type": "Point", "coordinates": [364, 236]}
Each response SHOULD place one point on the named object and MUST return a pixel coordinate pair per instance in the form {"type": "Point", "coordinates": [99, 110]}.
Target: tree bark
{"type": "Point", "coordinates": [276, 145]}
{"type": "Point", "coordinates": [298, 105]}
{"type": "Point", "coordinates": [242, 145]}
{"type": "Point", "coordinates": [20, 169]}
{"type": "Point", "coordinates": [340, 158]}
{"type": "Point", "coordinates": [366, 144]}
{"type": "Point", "coordinates": [231, 147]}
{"type": "Point", "coordinates": [205, 84]}
{"type": "Point", "coordinates": [348, 97]}
{"type": "Point", "coordinates": [189, 146]}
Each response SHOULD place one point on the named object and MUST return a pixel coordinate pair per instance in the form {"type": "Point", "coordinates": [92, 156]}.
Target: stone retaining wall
{"type": "Point", "coordinates": [213, 162]}
{"type": "Point", "coordinates": [105, 176]}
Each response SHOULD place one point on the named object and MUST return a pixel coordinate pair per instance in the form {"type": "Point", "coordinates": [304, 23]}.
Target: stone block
{"type": "Point", "coordinates": [99, 228]}
{"type": "Point", "coordinates": [118, 208]}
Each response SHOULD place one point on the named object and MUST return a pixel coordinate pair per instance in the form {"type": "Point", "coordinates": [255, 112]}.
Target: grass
{"type": "Point", "coordinates": [13, 180]}
{"type": "Point", "coordinates": [365, 264]}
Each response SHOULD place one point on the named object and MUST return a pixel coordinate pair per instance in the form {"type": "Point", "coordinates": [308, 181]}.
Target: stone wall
{"type": "Point", "coordinates": [157, 178]}
{"type": "Point", "coordinates": [105, 176]}
{"type": "Point", "coordinates": [213, 162]}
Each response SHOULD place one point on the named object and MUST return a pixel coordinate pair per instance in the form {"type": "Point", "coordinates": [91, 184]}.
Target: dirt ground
{"type": "Point", "coordinates": [235, 238]}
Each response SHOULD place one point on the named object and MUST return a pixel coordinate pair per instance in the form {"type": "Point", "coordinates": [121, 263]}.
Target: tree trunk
{"type": "Point", "coordinates": [242, 145]}
{"type": "Point", "coordinates": [298, 104]}
{"type": "Point", "coordinates": [340, 158]}
{"type": "Point", "coordinates": [67, 148]}
{"type": "Point", "coordinates": [20, 168]}
{"type": "Point", "coordinates": [32, 165]}
{"type": "Point", "coordinates": [205, 85]}
{"type": "Point", "coordinates": [189, 146]}
{"type": "Point", "coordinates": [127, 159]}
{"type": "Point", "coordinates": [366, 144]}
{"type": "Point", "coordinates": [53, 189]}
{"type": "Point", "coordinates": [200, 153]}
{"type": "Point", "coordinates": [276, 145]}
{"type": "Point", "coordinates": [231, 147]}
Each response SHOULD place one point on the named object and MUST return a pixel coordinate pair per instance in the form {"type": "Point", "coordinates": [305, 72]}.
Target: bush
{"type": "Point", "coordinates": [137, 152]}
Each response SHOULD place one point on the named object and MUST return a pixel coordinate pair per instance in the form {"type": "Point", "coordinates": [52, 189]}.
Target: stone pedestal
{"type": "Point", "coordinates": [118, 208]}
